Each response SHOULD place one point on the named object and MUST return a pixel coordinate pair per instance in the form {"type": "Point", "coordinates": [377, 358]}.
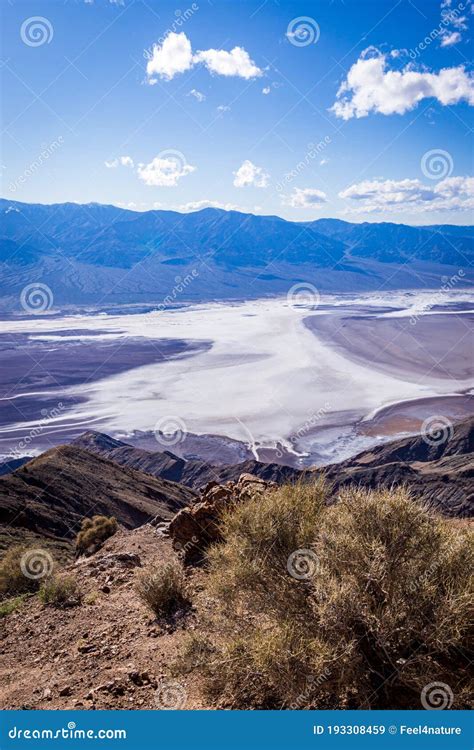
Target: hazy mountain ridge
{"type": "Point", "coordinates": [93, 254]}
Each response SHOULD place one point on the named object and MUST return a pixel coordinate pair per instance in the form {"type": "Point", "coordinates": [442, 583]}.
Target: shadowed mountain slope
{"type": "Point", "coordinates": [52, 493]}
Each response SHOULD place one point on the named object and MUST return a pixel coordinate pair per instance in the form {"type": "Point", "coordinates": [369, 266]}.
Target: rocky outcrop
{"type": "Point", "coordinates": [194, 529]}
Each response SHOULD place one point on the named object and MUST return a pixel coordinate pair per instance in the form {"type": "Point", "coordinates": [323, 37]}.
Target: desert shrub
{"type": "Point", "coordinates": [360, 604]}
{"type": "Point", "coordinates": [94, 531]}
{"type": "Point", "coordinates": [10, 605]}
{"type": "Point", "coordinates": [162, 589]}
{"type": "Point", "coordinates": [22, 568]}
{"type": "Point", "coordinates": [60, 591]}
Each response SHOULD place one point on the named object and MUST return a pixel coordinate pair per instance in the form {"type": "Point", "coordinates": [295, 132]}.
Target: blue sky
{"type": "Point", "coordinates": [236, 104]}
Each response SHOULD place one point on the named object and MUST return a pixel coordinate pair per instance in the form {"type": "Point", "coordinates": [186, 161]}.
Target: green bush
{"type": "Point", "coordinates": [360, 604]}
{"type": "Point", "coordinates": [94, 531]}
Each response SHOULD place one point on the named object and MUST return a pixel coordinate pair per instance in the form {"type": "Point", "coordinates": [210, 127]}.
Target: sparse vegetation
{"type": "Point", "coordinates": [10, 605]}
{"type": "Point", "coordinates": [21, 569]}
{"type": "Point", "coordinates": [94, 531]}
{"type": "Point", "coordinates": [60, 591]}
{"type": "Point", "coordinates": [374, 607]}
{"type": "Point", "coordinates": [162, 589]}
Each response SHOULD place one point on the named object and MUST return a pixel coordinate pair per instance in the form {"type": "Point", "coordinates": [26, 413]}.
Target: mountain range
{"type": "Point", "coordinates": [96, 474]}
{"type": "Point", "coordinates": [98, 255]}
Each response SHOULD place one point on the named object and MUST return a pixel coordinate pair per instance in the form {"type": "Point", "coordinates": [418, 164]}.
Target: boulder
{"type": "Point", "coordinates": [194, 528]}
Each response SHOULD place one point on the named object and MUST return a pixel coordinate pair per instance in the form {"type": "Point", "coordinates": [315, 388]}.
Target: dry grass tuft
{"type": "Point", "coordinates": [162, 589]}
{"type": "Point", "coordinates": [60, 591]}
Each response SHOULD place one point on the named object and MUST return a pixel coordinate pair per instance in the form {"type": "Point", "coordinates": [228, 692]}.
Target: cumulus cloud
{"type": "Point", "coordinates": [304, 198]}
{"type": "Point", "coordinates": [371, 87]}
{"type": "Point", "coordinates": [164, 171]}
{"type": "Point", "coordinates": [249, 174]}
{"type": "Point", "coordinates": [266, 90]}
{"type": "Point", "coordinates": [124, 161]}
{"type": "Point", "coordinates": [450, 194]}
{"type": "Point", "coordinates": [172, 57]}
{"type": "Point", "coordinates": [237, 62]}
{"type": "Point", "coordinates": [175, 56]}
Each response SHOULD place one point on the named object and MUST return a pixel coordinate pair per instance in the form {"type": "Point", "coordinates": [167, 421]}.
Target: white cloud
{"type": "Point", "coordinates": [199, 205]}
{"type": "Point", "coordinates": [197, 95]}
{"type": "Point", "coordinates": [266, 90]}
{"type": "Point", "coordinates": [370, 87]}
{"type": "Point", "coordinates": [450, 38]}
{"type": "Point", "coordinates": [450, 194]}
{"type": "Point", "coordinates": [249, 174]}
{"type": "Point", "coordinates": [175, 56]}
{"type": "Point", "coordinates": [172, 57]}
{"type": "Point", "coordinates": [323, 162]}
{"type": "Point", "coordinates": [125, 161]}
{"type": "Point", "coordinates": [164, 172]}
{"type": "Point", "coordinates": [237, 62]}
{"type": "Point", "coordinates": [453, 23]}
{"type": "Point", "coordinates": [304, 198]}
{"type": "Point", "coordinates": [223, 108]}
